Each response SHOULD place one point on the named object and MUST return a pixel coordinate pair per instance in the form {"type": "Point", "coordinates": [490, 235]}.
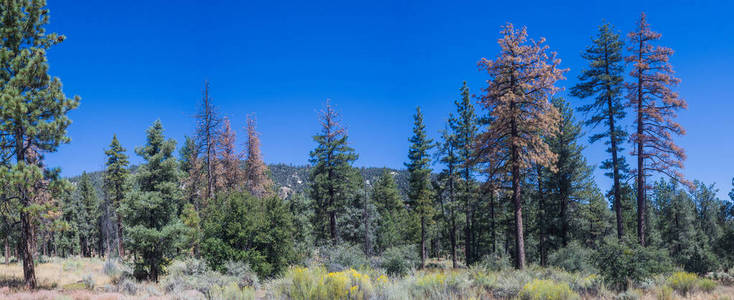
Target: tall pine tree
{"type": "Point", "coordinates": [655, 104]}
{"type": "Point", "coordinates": [522, 79]}
{"type": "Point", "coordinates": [33, 116]}
{"type": "Point", "coordinates": [116, 185]}
{"type": "Point", "coordinates": [331, 175]}
{"type": "Point", "coordinates": [420, 191]}
{"type": "Point", "coordinates": [150, 213]}
{"type": "Point", "coordinates": [603, 81]}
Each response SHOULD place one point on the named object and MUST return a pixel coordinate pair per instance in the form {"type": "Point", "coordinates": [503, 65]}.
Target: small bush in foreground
{"type": "Point", "coordinates": [398, 261]}
{"type": "Point", "coordinates": [547, 290]}
{"type": "Point", "coordinates": [683, 282]}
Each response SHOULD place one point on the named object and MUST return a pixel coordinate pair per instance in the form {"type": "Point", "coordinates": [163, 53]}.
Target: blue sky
{"type": "Point", "coordinates": [133, 63]}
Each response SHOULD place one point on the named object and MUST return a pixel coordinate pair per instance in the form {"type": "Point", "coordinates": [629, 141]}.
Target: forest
{"type": "Point", "coordinates": [503, 205]}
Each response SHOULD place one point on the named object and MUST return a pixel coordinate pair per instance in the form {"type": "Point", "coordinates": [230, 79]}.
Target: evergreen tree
{"type": "Point", "coordinates": [420, 192]}
{"type": "Point", "coordinates": [150, 212]}
{"type": "Point", "coordinates": [522, 79]}
{"type": "Point", "coordinates": [392, 225]}
{"type": "Point", "coordinates": [191, 166]}
{"type": "Point", "coordinates": [116, 185]}
{"type": "Point", "coordinates": [241, 227]}
{"type": "Point", "coordinates": [655, 106]}
{"type": "Point", "coordinates": [207, 135]}
{"type": "Point", "coordinates": [228, 163]}
{"type": "Point", "coordinates": [257, 181]}
{"type": "Point", "coordinates": [87, 215]}
{"type": "Point", "coordinates": [447, 187]}
{"type": "Point", "coordinates": [33, 117]}
{"type": "Point", "coordinates": [464, 126]}
{"type": "Point", "coordinates": [332, 184]}
{"type": "Point", "coordinates": [603, 80]}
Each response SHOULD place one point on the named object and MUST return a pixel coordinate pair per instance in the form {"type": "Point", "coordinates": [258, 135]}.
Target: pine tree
{"type": "Point", "coordinates": [331, 175]}
{"type": "Point", "coordinates": [207, 134]}
{"type": "Point", "coordinates": [87, 216]}
{"type": "Point", "coordinates": [257, 181]}
{"type": "Point", "coordinates": [150, 212]}
{"type": "Point", "coordinates": [655, 105]}
{"type": "Point", "coordinates": [391, 225]}
{"type": "Point", "coordinates": [420, 192]}
{"type": "Point", "coordinates": [522, 79]}
{"type": "Point", "coordinates": [191, 166]}
{"type": "Point", "coordinates": [603, 80]}
{"type": "Point", "coordinates": [228, 166]}
{"type": "Point", "coordinates": [33, 116]}
{"type": "Point", "coordinates": [464, 126]}
{"type": "Point", "coordinates": [116, 185]}
{"type": "Point", "coordinates": [448, 186]}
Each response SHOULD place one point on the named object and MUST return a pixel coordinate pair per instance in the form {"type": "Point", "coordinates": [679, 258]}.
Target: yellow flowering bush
{"type": "Point", "coordinates": [547, 290]}
{"type": "Point", "coordinates": [683, 282]}
{"type": "Point", "coordinates": [316, 283]}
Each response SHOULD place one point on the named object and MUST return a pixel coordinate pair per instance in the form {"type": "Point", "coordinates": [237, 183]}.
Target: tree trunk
{"type": "Point", "coordinates": [492, 222]}
{"type": "Point", "coordinates": [517, 200]}
{"type": "Point", "coordinates": [332, 226]}
{"type": "Point", "coordinates": [423, 242]}
{"type": "Point", "coordinates": [26, 251]}
{"type": "Point", "coordinates": [541, 218]}
{"type": "Point", "coordinates": [7, 249]}
{"type": "Point", "coordinates": [120, 247]}
{"type": "Point", "coordinates": [641, 204]}
{"type": "Point", "coordinates": [615, 162]}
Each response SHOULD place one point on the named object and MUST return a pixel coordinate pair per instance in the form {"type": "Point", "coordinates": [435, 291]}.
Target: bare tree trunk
{"type": "Point", "coordinates": [641, 204]}
{"type": "Point", "coordinates": [7, 250]}
{"type": "Point", "coordinates": [26, 251]}
{"type": "Point", "coordinates": [423, 242]}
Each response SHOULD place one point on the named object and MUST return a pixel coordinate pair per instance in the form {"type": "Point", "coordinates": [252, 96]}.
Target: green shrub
{"type": "Point", "coordinates": [71, 265]}
{"type": "Point", "coordinates": [683, 282]}
{"type": "Point", "coordinates": [318, 284]}
{"type": "Point", "coordinates": [495, 262]}
{"type": "Point", "coordinates": [573, 258]}
{"type": "Point", "coordinates": [547, 290]}
{"type": "Point", "coordinates": [116, 270]}
{"type": "Point", "coordinates": [707, 285]}
{"type": "Point", "coordinates": [398, 261]}
{"type": "Point", "coordinates": [343, 257]}
{"type": "Point", "coordinates": [665, 293]}
{"type": "Point", "coordinates": [621, 263]}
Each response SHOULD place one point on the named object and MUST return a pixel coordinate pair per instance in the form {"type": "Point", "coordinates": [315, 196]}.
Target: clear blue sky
{"type": "Point", "coordinates": [133, 63]}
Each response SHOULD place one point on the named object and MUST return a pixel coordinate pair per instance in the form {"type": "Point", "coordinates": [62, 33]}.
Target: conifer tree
{"type": "Point", "coordinates": [420, 191]}
{"type": "Point", "coordinates": [33, 116]}
{"type": "Point", "coordinates": [87, 216]}
{"type": "Point", "coordinates": [448, 186]}
{"type": "Point", "coordinates": [228, 166]}
{"type": "Point", "coordinates": [257, 181]}
{"type": "Point", "coordinates": [116, 185]}
{"type": "Point", "coordinates": [522, 79]}
{"type": "Point", "coordinates": [391, 225]}
{"type": "Point", "coordinates": [464, 126]}
{"type": "Point", "coordinates": [655, 105]}
{"type": "Point", "coordinates": [331, 174]}
{"type": "Point", "coordinates": [603, 80]}
{"type": "Point", "coordinates": [153, 232]}
{"type": "Point", "coordinates": [207, 135]}
{"type": "Point", "coordinates": [191, 166]}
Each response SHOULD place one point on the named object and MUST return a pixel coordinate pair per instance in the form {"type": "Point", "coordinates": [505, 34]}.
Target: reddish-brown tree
{"type": "Point", "coordinates": [655, 104]}
{"type": "Point", "coordinates": [258, 183]}
{"type": "Point", "coordinates": [522, 79]}
{"type": "Point", "coordinates": [228, 165]}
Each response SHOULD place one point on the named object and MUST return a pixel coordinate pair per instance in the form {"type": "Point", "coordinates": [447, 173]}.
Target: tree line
{"type": "Point", "coordinates": [511, 181]}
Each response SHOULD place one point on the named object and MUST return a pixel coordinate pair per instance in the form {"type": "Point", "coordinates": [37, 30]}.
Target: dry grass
{"type": "Point", "coordinates": [58, 274]}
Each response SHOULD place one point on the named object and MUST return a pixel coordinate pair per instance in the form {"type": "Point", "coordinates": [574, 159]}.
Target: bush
{"type": "Point", "coordinates": [241, 271]}
{"type": "Point", "coordinates": [343, 257]}
{"type": "Point", "coordinates": [316, 283]}
{"type": "Point", "coordinates": [495, 262]}
{"type": "Point", "coordinates": [231, 292]}
{"type": "Point", "coordinates": [547, 290]}
{"type": "Point", "coordinates": [621, 263]}
{"type": "Point", "coordinates": [683, 282]}
{"type": "Point", "coordinates": [194, 274]}
{"type": "Point", "coordinates": [116, 270]}
{"type": "Point", "coordinates": [665, 293]}
{"type": "Point", "coordinates": [88, 281]}
{"type": "Point", "coordinates": [398, 261]}
{"type": "Point", "coordinates": [707, 285]}
{"type": "Point", "coordinates": [70, 265]}
{"type": "Point", "coordinates": [573, 258]}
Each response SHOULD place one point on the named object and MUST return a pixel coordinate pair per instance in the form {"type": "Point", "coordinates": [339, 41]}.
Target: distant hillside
{"type": "Point", "coordinates": [288, 179]}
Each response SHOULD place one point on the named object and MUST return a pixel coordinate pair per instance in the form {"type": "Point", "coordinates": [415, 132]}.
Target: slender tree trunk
{"type": "Point", "coordinates": [641, 203]}
{"type": "Point", "coordinates": [615, 160]}
{"type": "Point", "coordinates": [517, 200]}
{"type": "Point", "coordinates": [492, 222]}
{"type": "Point", "coordinates": [423, 242]}
{"type": "Point", "coordinates": [7, 249]}
{"type": "Point", "coordinates": [332, 225]}
{"type": "Point", "coordinates": [120, 246]}
{"type": "Point", "coordinates": [26, 251]}
{"type": "Point", "coordinates": [541, 218]}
